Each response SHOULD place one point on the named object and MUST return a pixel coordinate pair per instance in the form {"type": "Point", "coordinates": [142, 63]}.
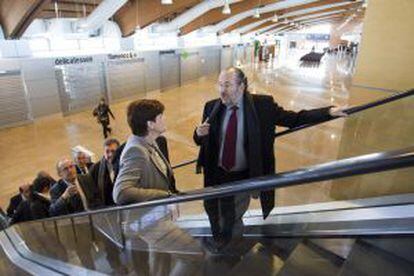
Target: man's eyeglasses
{"type": "Point", "coordinates": [68, 167]}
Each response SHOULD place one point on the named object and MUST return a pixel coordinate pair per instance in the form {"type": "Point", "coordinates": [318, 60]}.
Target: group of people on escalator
{"type": "Point", "coordinates": [236, 140]}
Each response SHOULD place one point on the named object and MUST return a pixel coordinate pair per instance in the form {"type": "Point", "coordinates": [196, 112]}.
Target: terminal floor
{"type": "Point", "coordinates": [27, 149]}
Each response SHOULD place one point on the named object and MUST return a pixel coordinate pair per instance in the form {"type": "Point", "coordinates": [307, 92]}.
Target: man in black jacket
{"type": "Point", "coordinates": [67, 195]}
{"type": "Point", "coordinates": [102, 112]}
{"type": "Point", "coordinates": [103, 176]}
{"type": "Point", "coordinates": [236, 142]}
{"type": "Point", "coordinates": [24, 192]}
{"type": "Point", "coordinates": [37, 204]}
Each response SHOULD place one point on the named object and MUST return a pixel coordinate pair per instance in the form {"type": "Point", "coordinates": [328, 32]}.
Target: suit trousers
{"type": "Point", "coordinates": [226, 213]}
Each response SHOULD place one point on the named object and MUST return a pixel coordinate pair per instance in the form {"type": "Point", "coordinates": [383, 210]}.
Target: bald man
{"type": "Point", "coordinates": [66, 195]}
{"type": "Point", "coordinates": [236, 142]}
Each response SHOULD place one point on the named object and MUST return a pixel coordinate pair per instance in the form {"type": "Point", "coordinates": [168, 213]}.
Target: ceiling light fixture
{"type": "Point", "coordinates": [166, 2]}
{"type": "Point", "coordinates": [226, 8]}
{"type": "Point", "coordinates": [256, 13]}
{"type": "Point", "coordinates": [56, 10]}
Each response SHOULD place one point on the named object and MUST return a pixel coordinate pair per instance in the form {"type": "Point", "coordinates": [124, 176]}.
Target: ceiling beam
{"type": "Point", "coordinates": [80, 2]}
{"type": "Point", "coordinates": [47, 14]}
{"type": "Point", "coordinates": [280, 30]}
{"type": "Point", "coordinates": [325, 6]}
{"type": "Point", "coordinates": [16, 16]}
{"type": "Point", "coordinates": [314, 19]}
{"type": "Point", "coordinates": [271, 25]}
{"type": "Point", "coordinates": [70, 7]}
{"type": "Point", "coordinates": [216, 14]}
{"type": "Point", "coordinates": [328, 20]}
{"type": "Point", "coordinates": [141, 13]}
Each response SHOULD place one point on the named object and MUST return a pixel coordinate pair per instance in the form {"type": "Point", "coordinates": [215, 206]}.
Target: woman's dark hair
{"type": "Point", "coordinates": [40, 183]}
{"type": "Point", "coordinates": [140, 112]}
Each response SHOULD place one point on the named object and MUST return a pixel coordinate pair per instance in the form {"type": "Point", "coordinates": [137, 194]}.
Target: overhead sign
{"type": "Point", "coordinates": [127, 55]}
{"type": "Point", "coordinates": [318, 36]}
{"type": "Point", "coordinates": [73, 60]}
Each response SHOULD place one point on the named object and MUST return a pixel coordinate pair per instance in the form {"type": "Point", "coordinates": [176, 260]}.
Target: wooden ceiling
{"type": "Point", "coordinates": [16, 16]}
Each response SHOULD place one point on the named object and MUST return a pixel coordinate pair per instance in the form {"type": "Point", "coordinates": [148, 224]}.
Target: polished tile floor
{"type": "Point", "coordinates": [30, 148]}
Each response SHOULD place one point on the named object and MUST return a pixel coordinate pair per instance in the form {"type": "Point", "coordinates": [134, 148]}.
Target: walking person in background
{"type": "Point", "coordinates": [102, 112]}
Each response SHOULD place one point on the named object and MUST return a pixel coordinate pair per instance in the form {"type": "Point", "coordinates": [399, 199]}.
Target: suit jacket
{"type": "Point", "coordinates": [102, 183]}
{"type": "Point", "coordinates": [60, 206]}
{"type": "Point", "coordinates": [14, 203]}
{"type": "Point", "coordinates": [79, 171]}
{"type": "Point", "coordinates": [162, 145]}
{"type": "Point", "coordinates": [37, 207]}
{"type": "Point", "coordinates": [261, 115]}
{"type": "Point", "coordinates": [140, 178]}
{"type": "Point", "coordinates": [92, 195]}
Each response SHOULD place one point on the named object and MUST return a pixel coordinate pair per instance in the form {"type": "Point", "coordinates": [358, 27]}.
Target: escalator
{"type": "Point", "coordinates": [366, 233]}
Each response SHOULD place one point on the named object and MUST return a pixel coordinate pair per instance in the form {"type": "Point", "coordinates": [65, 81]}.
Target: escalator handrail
{"type": "Point", "coordinates": [348, 111]}
{"type": "Point", "coordinates": [363, 164]}
{"type": "Point", "coordinates": [353, 110]}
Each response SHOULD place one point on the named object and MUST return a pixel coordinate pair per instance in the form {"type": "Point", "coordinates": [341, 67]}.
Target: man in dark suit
{"type": "Point", "coordinates": [37, 204]}
{"type": "Point", "coordinates": [83, 163]}
{"type": "Point", "coordinates": [236, 142]}
{"type": "Point", "coordinates": [67, 195]}
{"type": "Point", "coordinates": [24, 192]}
{"type": "Point", "coordinates": [103, 176]}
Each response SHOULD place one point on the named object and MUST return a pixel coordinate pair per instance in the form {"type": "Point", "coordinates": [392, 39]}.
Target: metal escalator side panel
{"type": "Point", "coordinates": [54, 264]}
{"type": "Point", "coordinates": [21, 262]}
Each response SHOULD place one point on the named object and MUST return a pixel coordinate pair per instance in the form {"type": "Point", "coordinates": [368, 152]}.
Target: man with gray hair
{"type": "Point", "coordinates": [83, 162]}
{"type": "Point", "coordinates": [66, 195]}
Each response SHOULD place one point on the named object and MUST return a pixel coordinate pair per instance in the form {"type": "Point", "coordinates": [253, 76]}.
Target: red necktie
{"type": "Point", "coordinates": [229, 149]}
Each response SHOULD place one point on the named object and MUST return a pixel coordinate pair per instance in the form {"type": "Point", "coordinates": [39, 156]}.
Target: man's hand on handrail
{"type": "Point", "coordinates": [338, 111]}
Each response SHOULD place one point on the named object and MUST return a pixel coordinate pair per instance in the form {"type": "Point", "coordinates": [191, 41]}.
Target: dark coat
{"type": "Point", "coordinates": [22, 213]}
{"type": "Point", "coordinates": [14, 203]}
{"type": "Point", "coordinates": [102, 184]}
{"type": "Point", "coordinates": [261, 115]}
{"type": "Point", "coordinates": [59, 206]}
{"type": "Point", "coordinates": [79, 171]}
{"type": "Point", "coordinates": [102, 112]}
{"type": "Point", "coordinates": [37, 207]}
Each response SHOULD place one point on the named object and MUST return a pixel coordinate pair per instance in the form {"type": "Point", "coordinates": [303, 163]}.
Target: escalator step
{"type": "Point", "coordinates": [308, 261]}
{"type": "Point", "coordinates": [258, 261]}
{"type": "Point", "coordinates": [368, 260]}
{"type": "Point", "coordinates": [282, 247]}
{"type": "Point", "coordinates": [339, 247]}
{"type": "Point", "coordinates": [402, 247]}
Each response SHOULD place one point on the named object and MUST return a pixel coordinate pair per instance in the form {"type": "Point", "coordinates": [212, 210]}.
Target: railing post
{"type": "Point", "coordinates": [72, 222]}
{"type": "Point", "coordinates": [91, 228]}
{"type": "Point", "coordinates": [56, 229]}
{"type": "Point", "coordinates": [120, 219]}
{"type": "Point", "coordinates": [44, 226]}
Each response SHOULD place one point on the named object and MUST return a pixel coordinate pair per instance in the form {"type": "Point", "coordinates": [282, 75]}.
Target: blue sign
{"type": "Point", "coordinates": [318, 36]}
